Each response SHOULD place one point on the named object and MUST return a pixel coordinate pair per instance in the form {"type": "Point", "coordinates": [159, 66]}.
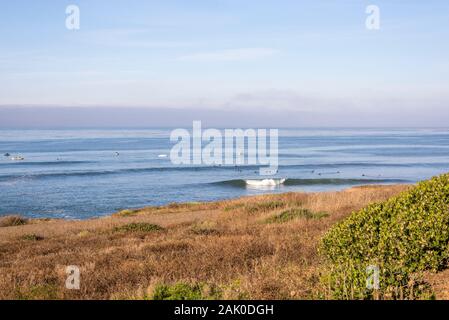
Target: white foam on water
{"type": "Point", "coordinates": [265, 182]}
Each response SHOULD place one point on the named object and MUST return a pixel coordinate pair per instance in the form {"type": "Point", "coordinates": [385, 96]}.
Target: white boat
{"type": "Point", "coordinates": [18, 158]}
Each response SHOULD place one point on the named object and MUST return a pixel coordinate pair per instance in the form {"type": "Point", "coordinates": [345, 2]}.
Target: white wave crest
{"type": "Point", "coordinates": [265, 182]}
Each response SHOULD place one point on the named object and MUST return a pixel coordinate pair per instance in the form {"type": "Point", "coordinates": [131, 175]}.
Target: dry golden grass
{"type": "Point", "coordinates": [228, 244]}
{"type": "Point", "coordinates": [12, 221]}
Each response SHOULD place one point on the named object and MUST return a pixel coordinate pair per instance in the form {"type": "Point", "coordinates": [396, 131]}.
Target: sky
{"type": "Point", "coordinates": [271, 63]}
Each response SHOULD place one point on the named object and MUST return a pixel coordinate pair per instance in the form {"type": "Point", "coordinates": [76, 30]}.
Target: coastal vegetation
{"type": "Point", "coordinates": [284, 246]}
{"type": "Point", "coordinates": [401, 237]}
{"type": "Point", "coordinates": [12, 220]}
{"type": "Point", "coordinates": [295, 213]}
{"type": "Point", "coordinates": [138, 227]}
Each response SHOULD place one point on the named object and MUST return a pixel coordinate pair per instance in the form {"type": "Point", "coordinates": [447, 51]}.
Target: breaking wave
{"type": "Point", "coordinates": [241, 183]}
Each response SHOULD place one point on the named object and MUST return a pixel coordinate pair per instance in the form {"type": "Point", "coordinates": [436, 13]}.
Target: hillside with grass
{"type": "Point", "coordinates": [261, 247]}
{"type": "Point", "coordinates": [285, 246]}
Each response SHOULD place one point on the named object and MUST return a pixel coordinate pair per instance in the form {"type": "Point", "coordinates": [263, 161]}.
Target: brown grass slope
{"type": "Point", "coordinates": [261, 247]}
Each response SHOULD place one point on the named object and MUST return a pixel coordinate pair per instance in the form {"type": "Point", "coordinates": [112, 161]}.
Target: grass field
{"type": "Point", "coordinates": [261, 247]}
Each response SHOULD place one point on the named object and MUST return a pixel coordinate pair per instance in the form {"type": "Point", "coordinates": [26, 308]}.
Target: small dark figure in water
{"type": "Point", "coordinates": [6, 154]}
{"type": "Point", "coordinates": [117, 154]}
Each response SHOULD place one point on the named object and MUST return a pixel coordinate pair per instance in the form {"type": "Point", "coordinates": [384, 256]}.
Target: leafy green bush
{"type": "Point", "coordinates": [401, 237]}
{"type": "Point", "coordinates": [32, 237]}
{"type": "Point", "coordinates": [138, 227]}
{"type": "Point", "coordinates": [47, 291]}
{"type": "Point", "coordinates": [295, 213]}
{"type": "Point", "coordinates": [185, 291]}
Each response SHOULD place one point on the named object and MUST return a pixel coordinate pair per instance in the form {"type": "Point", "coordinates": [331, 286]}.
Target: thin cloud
{"type": "Point", "coordinates": [241, 54]}
{"type": "Point", "coordinates": [132, 38]}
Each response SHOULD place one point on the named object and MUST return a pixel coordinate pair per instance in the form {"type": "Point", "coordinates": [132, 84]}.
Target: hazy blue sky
{"type": "Point", "coordinates": [313, 61]}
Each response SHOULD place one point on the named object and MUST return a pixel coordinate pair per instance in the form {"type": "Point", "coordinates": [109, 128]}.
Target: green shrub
{"type": "Point", "coordinates": [32, 237]}
{"type": "Point", "coordinates": [295, 213]}
{"type": "Point", "coordinates": [138, 227]}
{"type": "Point", "coordinates": [185, 291]}
{"type": "Point", "coordinates": [37, 292]}
{"type": "Point", "coordinates": [402, 237]}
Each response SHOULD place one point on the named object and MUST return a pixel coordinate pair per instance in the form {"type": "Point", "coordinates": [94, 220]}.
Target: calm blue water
{"type": "Point", "coordinates": [77, 174]}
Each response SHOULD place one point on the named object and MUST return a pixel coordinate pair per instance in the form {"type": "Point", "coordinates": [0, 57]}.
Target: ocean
{"type": "Point", "coordinates": [80, 174]}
